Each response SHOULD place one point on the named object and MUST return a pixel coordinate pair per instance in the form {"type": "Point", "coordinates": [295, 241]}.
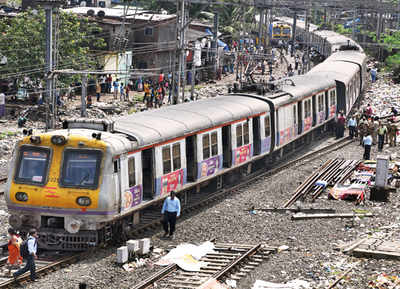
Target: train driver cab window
{"type": "Point", "coordinates": [32, 165]}
{"type": "Point", "coordinates": [131, 172]}
{"type": "Point", "coordinates": [267, 126]}
{"type": "Point", "coordinates": [81, 168]}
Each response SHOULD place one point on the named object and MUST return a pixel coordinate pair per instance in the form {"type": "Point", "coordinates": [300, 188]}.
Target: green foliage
{"type": "Point", "coordinates": [339, 28]}
{"type": "Point", "coordinates": [23, 42]}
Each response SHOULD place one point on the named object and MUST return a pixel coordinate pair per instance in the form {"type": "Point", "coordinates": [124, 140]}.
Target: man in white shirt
{"type": "Point", "coordinates": [171, 210]}
{"type": "Point", "coordinates": [30, 259]}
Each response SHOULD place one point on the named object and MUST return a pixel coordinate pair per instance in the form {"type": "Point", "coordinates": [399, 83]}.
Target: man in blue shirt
{"type": "Point", "coordinates": [367, 140]}
{"type": "Point", "coordinates": [171, 210]}
{"type": "Point", "coordinates": [30, 259]}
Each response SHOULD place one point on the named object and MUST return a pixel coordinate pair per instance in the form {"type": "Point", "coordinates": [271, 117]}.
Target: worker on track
{"type": "Point", "coordinates": [367, 141]}
{"type": "Point", "coordinates": [171, 210]}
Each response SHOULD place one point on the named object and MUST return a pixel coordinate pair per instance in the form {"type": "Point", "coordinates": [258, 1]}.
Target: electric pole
{"type": "Point", "coordinates": [214, 45]}
{"type": "Point", "coordinates": [83, 95]}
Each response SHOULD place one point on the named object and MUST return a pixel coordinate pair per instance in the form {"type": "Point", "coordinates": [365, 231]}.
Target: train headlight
{"type": "Point", "coordinates": [58, 140]}
{"type": "Point", "coordinates": [83, 201]}
{"type": "Point", "coordinates": [21, 196]}
{"type": "Point", "coordinates": [35, 139]}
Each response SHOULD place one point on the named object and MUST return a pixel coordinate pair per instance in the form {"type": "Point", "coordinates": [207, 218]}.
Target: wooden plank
{"type": "Point", "coordinates": [377, 253]}
{"type": "Point", "coordinates": [329, 216]}
{"type": "Point", "coordinates": [355, 245]}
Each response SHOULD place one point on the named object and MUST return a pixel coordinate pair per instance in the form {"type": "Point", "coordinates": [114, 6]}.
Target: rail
{"type": "Point", "coordinates": [226, 261]}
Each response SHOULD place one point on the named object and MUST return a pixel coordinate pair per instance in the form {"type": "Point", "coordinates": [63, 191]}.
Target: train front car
{"type": "Point", "coordinates": [61, 184]}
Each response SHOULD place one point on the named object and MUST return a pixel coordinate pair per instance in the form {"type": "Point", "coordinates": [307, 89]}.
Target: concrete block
{"type": "Point", "coordinates": [133, 246]}
{"type": "Point", "coordinates": [122, 255]}
{"type": "Point", "coordinates": [144, 246]}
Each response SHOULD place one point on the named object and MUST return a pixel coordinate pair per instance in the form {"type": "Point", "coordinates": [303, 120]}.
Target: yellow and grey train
{"type": "Point", "coordinates": [93, 179]}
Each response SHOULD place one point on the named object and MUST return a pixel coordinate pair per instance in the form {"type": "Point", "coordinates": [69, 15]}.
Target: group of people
{"type": "Point", "coordinates": [370, 129]}
{"type": "Point", "coordinates": [19, 250]}
{"type": "Point", "coordinates": [155, 91]}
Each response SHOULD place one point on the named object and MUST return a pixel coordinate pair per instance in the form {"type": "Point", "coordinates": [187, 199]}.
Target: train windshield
{"type": "Point", "coordinates": [33, 165]}
{"type": "Point", "coordinates": [81, 168]}
{"type": "Point", "coordinates": [277, 30]}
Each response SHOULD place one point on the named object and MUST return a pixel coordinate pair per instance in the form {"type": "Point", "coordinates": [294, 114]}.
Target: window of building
{"type": "Point", "coordinates": [176, 156]}
{"type": "Point", "coordinates": [131, 172]}
{"type": "Point", "coordinates": [206, 146]}
{"type": "Point", "coordinates": [267, 126]}
{"type": "Point", "coordinates": [166, 155]}
{"type": "Point", "coordinates": [214, 143]}
{"type": "Point", "coordinates": [239, 135]}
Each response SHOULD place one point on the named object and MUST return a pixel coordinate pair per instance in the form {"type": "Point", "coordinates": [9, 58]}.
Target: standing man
{"type": "Point", "coordinates": [373, 74]}
{"type": "Point", "coordinates": [171, 210]}
{"type": "Point", "coordinates": [116, 87]}
{"type": "Point", "coordinates": [30, 258]}
{"type": "Point", "coordinates": [367, 146]}
{"type": "Point", "coordinates": [98, 90]}
{"type": "Point", "coordinates": [382, 130]}
{"type": "Point", "coordinates": [392, 133]}
{"type": "Point", "coordinates": [352, 124]}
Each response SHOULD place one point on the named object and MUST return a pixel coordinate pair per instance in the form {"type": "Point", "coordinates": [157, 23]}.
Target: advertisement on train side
{"type": "Point", "coordinates": [171, 182]}
{"type": "Point", "coordinates": [210, 166]}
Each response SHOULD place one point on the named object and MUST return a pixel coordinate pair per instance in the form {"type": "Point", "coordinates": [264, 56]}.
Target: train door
{"type": "Point", "coordinates": [341, 97]}
{"type": "Point", "coordinates": [294, 117]}
{"type": "Point", "coordinates": [299, 117]}
{"type": "Point", "coordinates": [131, 181]}
{"type": "Point", "coordinates": [148, 173]}
{"type": "Point", "coordinates": [117, 178]}
{"type": "Point", "coordinates": [257, 135]}
{"type": "Point", "coordinates": [191, 154]}
{"type": "Point", "coordinates": [314, 110]}
{"type": "Point", "coordinates": [226, 145]}
{"type": "Point", "coordinates": [326, 104]}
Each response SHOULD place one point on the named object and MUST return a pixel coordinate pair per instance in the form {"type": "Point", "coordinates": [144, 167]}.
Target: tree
{"type": "Point", "coordinates": [23, 42]}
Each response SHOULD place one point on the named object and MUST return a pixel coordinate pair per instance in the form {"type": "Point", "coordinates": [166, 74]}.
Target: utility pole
{"type": "Point", "coordinates": [49, 65]}
{"type": "Point", "coordinates": [307, 36]}
{"type": "Point", "coordinates": [193, 79]}
{"type": "Point", "coordinates": [294, 28]}
{"type": "Point", "coordinates": [353, 32]}
{"type": "Point", "coordinates": [83, 95]}
{"type": "Point", "coordinates": [214, 45]}
{"type": "Point", "coordinates": [260, 27]}
{"type": "Point", "coordinates": [181, 48]}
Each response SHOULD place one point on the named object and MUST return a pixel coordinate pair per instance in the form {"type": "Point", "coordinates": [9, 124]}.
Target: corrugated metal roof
{"type": "Point", "coordinates": [164, 124]}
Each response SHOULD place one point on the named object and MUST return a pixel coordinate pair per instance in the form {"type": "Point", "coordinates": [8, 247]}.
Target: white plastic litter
{"type": "Point", "coordinates": [294, 284]}
{"type": "Point", "coordinates": [186, 256]}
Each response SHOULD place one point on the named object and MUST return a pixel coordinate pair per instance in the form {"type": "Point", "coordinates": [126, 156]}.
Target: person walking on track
{"type": "Point", "coordinates": [28, 252]}
{"type": "Point", "coordinates": [14, 260]}
{"type": "Point", "coordinates": [367, 146]}
{"type": "Point", "coordinates": [171, 210]}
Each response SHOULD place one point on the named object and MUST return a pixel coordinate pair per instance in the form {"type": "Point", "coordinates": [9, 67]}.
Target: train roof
{"type": "Point", "coordinates": [117, 143]}
{"type": "Point", "coordinates": [352, 56]}
{"type": "Point", "coordinates": [304, 85]}
{"type": "Point", "coordinates": [336, 40]}
{"type": "Point", "coordinates": [339, 70]}
{"type": "Point", "coordinates": [167, 123]}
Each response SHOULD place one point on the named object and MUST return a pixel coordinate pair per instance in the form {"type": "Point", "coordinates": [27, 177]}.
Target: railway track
{"type": "Point", "coordinates": [228, 261]}
{"type": "Point", "coordinates": [244, 255]}
{"type": "Point", "coordinates": [44, 265]}
{"type": "Point", "coordinates": [3, 180]}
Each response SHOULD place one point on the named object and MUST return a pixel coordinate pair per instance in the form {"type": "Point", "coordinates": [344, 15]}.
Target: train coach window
{"type": "Point", "coordinates": [176, 156]}
{"type": "Point", "coordinates": [81, 168]}
{"type": "Point", "coordinates": [321, 102]}
{"type": "Point", "coordinates": [214, 144]}
{"type": "Point", "coordinates": [166, 155]}
{"type": "Point", "coordinates": [267, 126]}
{"type": "Point", "coordinates": [307, 108]}
{"type": "Point", "coordinates": [206, 146]}
{"type": "Point", "coordinates": [33, 165]}
{"type": "Point", "coordinates": [239, 135]}
{"type": "Point", "coordinates": [246, 136]}
{"type": "Point", "coordinates": [131, 172]}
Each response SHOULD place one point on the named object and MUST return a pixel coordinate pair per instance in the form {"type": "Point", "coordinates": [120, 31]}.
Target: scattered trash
{"type": "Point", "coordinates": [231, 283]}
{"type": "Point", "coordinates": [294, 284]}
{"type": "Point", "coordinates": [385, 281]}
{"type": "Point", "coordinates": [186, 256]}
{"type": "Point", "coordinates": [283, 248]}
{"type": "Point", "coordinates": [302, 216]}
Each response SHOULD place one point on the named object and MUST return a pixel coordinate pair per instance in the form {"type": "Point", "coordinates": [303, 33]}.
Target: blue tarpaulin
{"type": "Point", "coordinates": [220, 43]}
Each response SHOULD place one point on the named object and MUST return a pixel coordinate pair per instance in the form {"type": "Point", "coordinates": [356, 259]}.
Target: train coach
{"type": "Point", "coordinates": [90, 181]}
